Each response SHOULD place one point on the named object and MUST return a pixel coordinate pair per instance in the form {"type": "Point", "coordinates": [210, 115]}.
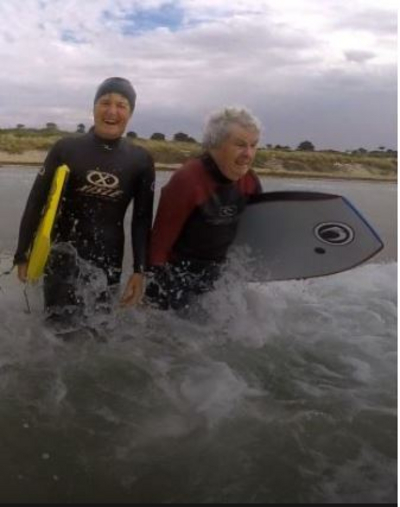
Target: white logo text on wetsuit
{"type": "Point", "coordinates": [101, 183]}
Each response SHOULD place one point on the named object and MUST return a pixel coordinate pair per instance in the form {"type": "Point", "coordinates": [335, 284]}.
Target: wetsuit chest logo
{"type": "Point", "coordinates": [101, 183]}
{"type": "Point", "coordinates": [103, 180]}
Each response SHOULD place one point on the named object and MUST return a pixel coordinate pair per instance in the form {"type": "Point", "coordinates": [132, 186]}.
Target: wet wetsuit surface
{"type": "Point", "coordinates": [196, 222]}
{"type": "Point", "coordinates": [104, 178]}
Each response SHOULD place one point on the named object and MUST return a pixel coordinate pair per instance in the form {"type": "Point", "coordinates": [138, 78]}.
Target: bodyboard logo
{"type": "Point", "coordinates": [227, 211]}
{"type": "Point", "coordinates": [334, 233]}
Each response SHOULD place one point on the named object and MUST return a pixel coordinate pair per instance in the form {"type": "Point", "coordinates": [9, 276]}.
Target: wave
{"type": "Point", "coordinates": [277, 392]}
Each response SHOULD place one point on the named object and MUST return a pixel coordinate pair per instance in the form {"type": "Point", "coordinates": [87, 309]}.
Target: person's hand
{"type": "Point", "coordinates": [22, 272]}
{"type": "Point", "coordinates": [134, 290]}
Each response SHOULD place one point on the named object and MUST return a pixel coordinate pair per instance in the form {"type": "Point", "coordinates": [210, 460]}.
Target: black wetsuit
{"type": "Point", "coordinates": [196, 223]}
{"type": "Point", "coordinates": [104, 178]}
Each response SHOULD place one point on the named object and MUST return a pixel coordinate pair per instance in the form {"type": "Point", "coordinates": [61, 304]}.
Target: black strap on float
{"type": "Point", "coordinates": [28, 306]}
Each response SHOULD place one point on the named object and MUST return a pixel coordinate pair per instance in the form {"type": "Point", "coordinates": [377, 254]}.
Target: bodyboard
{"type": "Point", "coordinates": [42, 241]}
{"type": "Point", "coordinates": [296, 234]}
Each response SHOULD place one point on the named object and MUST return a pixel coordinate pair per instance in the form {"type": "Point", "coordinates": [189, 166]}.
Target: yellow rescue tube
{"type": "Point", "coordinates": [42, 242]}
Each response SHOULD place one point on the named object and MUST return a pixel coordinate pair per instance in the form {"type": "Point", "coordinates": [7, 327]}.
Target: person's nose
{"type": "Point", "coordinates": [248, 151]}
{"type": "Point", "coordinates": [112, 108]}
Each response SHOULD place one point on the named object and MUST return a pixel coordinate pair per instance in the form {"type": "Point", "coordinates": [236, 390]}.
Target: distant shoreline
{"type": "Point", "coordinates": [36, 158]}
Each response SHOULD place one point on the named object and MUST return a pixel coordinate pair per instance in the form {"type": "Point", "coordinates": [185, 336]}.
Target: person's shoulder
{"type": "Point", "coordinates": [138, 152]}
{"type": "Point", "coordinates": [190, 169]}
{"type": "Point", "coordinates": [252, 175]}
{"type": "Point", "coordinates": [186, 179]}
{"type": "Point", "coordinates": [66, 145]}
{"type": "Point", "coordinates": [128, 145]}
{"type": "Point", "coordinates": [68, 140]}
{"type": "Point", "coordinates": [251, 182]}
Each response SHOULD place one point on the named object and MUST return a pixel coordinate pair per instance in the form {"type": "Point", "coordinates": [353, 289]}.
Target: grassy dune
{"type": "Point", "coordinates": [21, 145]}
{"type": "Point", "coordinates": [325, 163]}
{"type": "Point", "coordinates": [19, 142]}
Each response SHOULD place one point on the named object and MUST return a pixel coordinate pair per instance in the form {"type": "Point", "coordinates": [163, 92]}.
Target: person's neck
{"type": "Point", "coordinates": [212, 165]}
{"type": "Point", "coordinates": [107, 143]}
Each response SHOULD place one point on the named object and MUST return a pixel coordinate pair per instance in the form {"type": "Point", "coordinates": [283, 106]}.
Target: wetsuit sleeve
{"type": "Point", "coordinates": [177, 202]}
{"type": "Point", "coordinates": [35, 205]}
{"type": "Point", "coordinates": [142, 217]}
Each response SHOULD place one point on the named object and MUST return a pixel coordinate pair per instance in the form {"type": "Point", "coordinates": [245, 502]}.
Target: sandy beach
{"type": "Point", "coordinates": [274, 168]}
{"type": "Point", "coordinates": [29, 157]}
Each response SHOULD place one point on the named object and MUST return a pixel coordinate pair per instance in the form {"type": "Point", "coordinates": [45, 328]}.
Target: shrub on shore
{"type": "Point", "coordinates": [269, 161]}
{"type": "Point", "coordinates": [324, 162]}
{"type": "Point", "coordinates": [14, 143]}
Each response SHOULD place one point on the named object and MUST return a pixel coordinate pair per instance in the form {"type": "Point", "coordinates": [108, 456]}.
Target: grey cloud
{"type": "Point", "coordinates": [273, 69]}
{"type": "Point", "coordinates": [336, 110]}
{"type": "Point", "coordinates": [358, 55]}
{"type": "Point", "coordinates": [249, 37]}
{"type": "Point", "coordinates": [378, 21]}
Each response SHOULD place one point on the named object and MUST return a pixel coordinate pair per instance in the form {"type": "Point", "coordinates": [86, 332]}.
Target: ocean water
{"type": "Point", "coordinates": [268, 393]}
{"type": "Point", "coordinates": [282, 392]}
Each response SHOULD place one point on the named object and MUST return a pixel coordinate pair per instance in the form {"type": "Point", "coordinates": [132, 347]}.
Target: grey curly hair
{"type": "Point", "coordinates": [218, 125]}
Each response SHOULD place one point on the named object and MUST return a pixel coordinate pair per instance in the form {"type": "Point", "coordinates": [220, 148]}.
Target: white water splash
{"type": "Point", "coordinates": [288, 379]}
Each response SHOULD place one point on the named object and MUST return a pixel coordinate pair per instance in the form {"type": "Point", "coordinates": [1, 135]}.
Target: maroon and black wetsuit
{"type": "Point", "coordinates": [105, 176]}
{"type": "Point", "coordinates": [196, 222]}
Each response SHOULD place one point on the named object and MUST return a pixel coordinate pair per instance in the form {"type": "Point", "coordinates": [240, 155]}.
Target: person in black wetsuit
{"type": "Point", "coordinates": [106, 173]}
{"type": "Point", "coordinates": [199, 211]}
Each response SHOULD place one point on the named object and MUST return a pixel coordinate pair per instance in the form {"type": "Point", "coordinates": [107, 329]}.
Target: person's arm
{"type": "Point", "coordinates": [177, 201]}
{"type": "Point", "coordinates": [33, 211]}
{"type": "Point", "coordinates": [142, 217]}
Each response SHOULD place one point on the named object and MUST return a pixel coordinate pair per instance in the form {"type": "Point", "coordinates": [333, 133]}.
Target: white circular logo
{"type": "Point", "coordinates": [227, 211]}
{"type": "Point", "coordinates": [334, 233]}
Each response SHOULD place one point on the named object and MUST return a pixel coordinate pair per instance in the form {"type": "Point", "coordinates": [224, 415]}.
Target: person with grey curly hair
{"type": "Point", "coordinates": [200, 208]}
{"type": "Point", "coordinates": [219, 124]}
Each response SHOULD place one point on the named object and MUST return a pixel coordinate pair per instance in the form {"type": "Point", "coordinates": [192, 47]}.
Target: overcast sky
{"type": "Point", "coordinates": [317, 70]}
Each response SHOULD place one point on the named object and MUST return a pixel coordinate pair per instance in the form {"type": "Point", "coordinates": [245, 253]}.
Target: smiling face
{"type": "Point", "coordinates": [236, 153]}
{"type": "Point", "coordinates": [111, 115]}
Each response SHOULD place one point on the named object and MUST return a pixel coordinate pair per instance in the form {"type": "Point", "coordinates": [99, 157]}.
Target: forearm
{"type": "Point", "coordinates": [140, 244]}
{"type": "Point", "coordinates": [142, 218]}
